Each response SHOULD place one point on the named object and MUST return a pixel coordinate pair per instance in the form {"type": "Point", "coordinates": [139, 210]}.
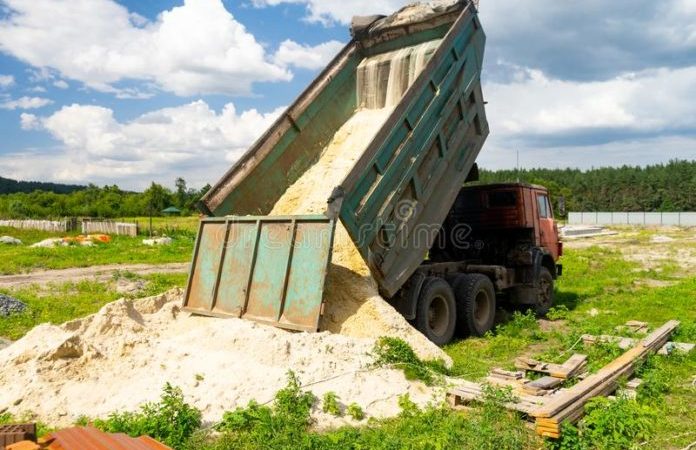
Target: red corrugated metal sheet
{"type": "Point", "coordinates": [88, 438]}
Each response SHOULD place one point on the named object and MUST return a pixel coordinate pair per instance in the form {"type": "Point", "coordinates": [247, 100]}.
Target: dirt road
{"type": "Point", "coordinates": [88, 273]}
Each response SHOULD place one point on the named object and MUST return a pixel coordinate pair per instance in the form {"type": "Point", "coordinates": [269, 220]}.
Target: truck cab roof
{"type": "Point", "coordinates": [491, 186]}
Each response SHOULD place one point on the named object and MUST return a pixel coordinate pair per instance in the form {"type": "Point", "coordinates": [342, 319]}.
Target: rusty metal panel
{"type": "Point", "coordinates": [269, 269]}
{"type": "Point", "coordinates": [82, 438]}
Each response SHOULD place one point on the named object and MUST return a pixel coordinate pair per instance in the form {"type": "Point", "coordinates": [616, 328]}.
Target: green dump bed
{"type": "Point", "coordinates": [392, 202]}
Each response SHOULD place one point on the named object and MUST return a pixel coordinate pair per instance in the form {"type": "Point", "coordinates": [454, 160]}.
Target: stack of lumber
{"type": "Point", "coordinates": [569, 404]}
{"type": "Point", "coordinates": [573, 366]}
{"type": "Point", "coordinates": [468, 391]}
{"type": "Point", "coordinates": [549, 410]}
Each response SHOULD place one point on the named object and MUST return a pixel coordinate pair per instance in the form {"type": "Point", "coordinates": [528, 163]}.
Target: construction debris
{"type": "Point", "coordinates": [158, 241]}
{"type": "Point", "coordinates": [574, 365]}
{"type": "Point", "coordinates": [550, 408]}
{"type": "Point", "coordinates": [85, 241]}
{"type": "Point", "coordinates": [83, 438]}
{"type": "Point", "coordinates": [10, 305]}
{"type": "Point", "coordinates": [625, 343]}
{"type": "Point", "coordinates": [13, 433]}
{"type": "Point", "coordinates": [9, 240]}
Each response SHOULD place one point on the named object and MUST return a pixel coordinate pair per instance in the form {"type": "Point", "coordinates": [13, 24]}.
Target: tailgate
{"type": "Point", "coordinates": [270, 269]}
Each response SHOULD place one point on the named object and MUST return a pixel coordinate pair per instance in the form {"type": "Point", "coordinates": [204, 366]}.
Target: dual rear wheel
{"type": "Point", "coordinates": [466, 305]}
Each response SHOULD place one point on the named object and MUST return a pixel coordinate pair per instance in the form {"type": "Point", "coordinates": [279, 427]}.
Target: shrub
{"type": "Point", "coordinates": [171, 420]}
{"type": "Point", "coordinates": [330, 404]}
{"type": "Point", "coordinates": [355, 411]}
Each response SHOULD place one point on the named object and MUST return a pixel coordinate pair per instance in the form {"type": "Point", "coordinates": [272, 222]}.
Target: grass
{"type": "Point", "coordinates": [597, 293]}
{"type": "Point", "coordinates": [162, 224]}
{"type": "Point", "coordinates": [121, 250]}
{"type": "Point", "coordinates": [61, 302]}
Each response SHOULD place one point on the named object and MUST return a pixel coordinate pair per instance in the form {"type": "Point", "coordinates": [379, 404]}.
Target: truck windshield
{"type": "Point", "coordinates": [543, 204]}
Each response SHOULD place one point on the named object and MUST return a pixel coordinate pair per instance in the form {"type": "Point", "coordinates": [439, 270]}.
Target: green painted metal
{"type": "Point", "coordinates": [270, 269]}
{"type": "Point", "coordinates": [292, 144]}
{"type": "Point", "coordinates": [400, 190]}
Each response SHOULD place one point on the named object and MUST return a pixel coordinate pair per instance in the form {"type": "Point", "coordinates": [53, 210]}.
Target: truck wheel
{"type": "Point", "coordinates": [436, 313]}
{"type": "Point", "coordinates": [475, 304]}
{"type": "Point", "coordinates": [545, 300]}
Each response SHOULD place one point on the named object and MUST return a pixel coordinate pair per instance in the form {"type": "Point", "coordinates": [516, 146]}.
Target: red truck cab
{"type": "Point", "coordinates": [498, 244]}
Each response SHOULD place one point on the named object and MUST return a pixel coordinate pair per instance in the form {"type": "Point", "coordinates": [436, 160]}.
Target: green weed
{"type": "Point", "coordinates": [355, 411]}
{"type": "Point", "coordinates": [330, 404]}
{"type": "Point", "coordinates": [395, 352]}
{"type": "Point", "coordinates": [171, 420]}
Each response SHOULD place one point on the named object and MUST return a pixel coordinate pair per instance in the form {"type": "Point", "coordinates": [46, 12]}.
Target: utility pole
{"type": "Point", "coordinates": [518, 165]}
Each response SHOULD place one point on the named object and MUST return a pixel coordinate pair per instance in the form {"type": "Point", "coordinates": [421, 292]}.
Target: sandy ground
{"type": "Point", "coordinates": [652, 248]}
{"type": "Point", "coordinates": [101, 273]}
{"type": "Point", "coordinates": [123, 355]}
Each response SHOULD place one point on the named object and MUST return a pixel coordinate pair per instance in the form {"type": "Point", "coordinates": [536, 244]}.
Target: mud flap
{"type": "Point", "coordinates": [270, 269]}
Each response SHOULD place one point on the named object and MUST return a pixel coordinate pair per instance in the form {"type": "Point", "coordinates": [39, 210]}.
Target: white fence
{"type": "Point", "coordinates": [683, 219]}
{"type": "Point", "coordinates": [42, 225]}
{"type": "Point", "coordinates": [109, 227]}
{"type": "Point", "coordinates": [70, 224]}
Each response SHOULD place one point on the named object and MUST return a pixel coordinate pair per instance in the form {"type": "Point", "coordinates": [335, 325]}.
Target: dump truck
{"type": "Point", "coordinates": [402, 201]}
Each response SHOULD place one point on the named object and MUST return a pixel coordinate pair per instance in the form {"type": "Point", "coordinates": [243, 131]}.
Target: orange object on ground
{"type": "Point", "coordinates": [23, 445]}
{"type": "Point", "coordinates": [105, 238]}
{"type": "Point", "coordinates": [82, 438]}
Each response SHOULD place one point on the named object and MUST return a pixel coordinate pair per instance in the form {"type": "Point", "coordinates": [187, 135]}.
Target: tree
{"type": "Point", "coordinates": [181, 193]}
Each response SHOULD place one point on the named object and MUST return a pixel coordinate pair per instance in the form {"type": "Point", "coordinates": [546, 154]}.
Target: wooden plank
{"type": "Point", "coordinates": [571, 367]}
{"type": "Point", "coordinates": [607, 375]}
{"type": "Point", "coordinates": [542, 386]}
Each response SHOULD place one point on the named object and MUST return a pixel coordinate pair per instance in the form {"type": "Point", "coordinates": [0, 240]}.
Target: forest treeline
{"type": "Point", "coordinates": [9, 186]}
{"type": "Point", "coordinates": [103, 202]}
{"type": "Point", "coordinates": [661, 187]}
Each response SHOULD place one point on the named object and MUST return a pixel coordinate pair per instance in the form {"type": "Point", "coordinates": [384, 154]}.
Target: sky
{"type": "Point", "coordinates": [128, 92]}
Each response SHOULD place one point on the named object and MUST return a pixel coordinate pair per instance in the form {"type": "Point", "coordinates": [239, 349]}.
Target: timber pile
{"type": "Point", "coordinates": [548, 406]}
{"type": "Point", "coordinates": [572, 367]}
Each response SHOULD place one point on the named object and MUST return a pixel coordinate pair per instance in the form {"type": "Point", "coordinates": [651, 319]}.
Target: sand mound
{"type": "Point", "coordinates": [353, 304]}
{"type": "Point", "coordinates": [121, 357]}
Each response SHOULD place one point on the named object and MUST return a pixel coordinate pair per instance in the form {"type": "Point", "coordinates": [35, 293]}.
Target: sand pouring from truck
{"type": "Point", "coordinates": [365, 169]}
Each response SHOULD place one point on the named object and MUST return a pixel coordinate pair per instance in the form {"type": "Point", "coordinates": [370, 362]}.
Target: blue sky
{"type": "Point", "coordinates": [127, 92]}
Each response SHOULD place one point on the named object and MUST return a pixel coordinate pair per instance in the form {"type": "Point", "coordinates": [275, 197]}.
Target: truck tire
{"type": "Point", "coordinates": [545, 299]}
{"type": "Point", "coordinates": [476, 304]}
{"type": "Point", "coordinates": [436, 312]}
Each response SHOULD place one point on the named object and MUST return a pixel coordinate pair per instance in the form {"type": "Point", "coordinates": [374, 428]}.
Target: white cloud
{"type": "Point", "coordinates": [29, 121]}
{"type": "Point", "coordinates": [26, 103]}
{"type": "Point", "coordinates": [37, 89]}
{"type": "Point", "coordinates": [61, 84]}
{"type": "Point", "coordinates": [191, 140]}
{"type": "Point", "coordinates": [590, 39]}
{"type": "Point", "coordinates": [329, 11]}
{"type": "Point", "coordinates": [6, 81]}
{"type": "Point", "coordinates": [196, 48]}
{"type": "Point", "coordinates": [648, 101]}
{"type": "Point", "coordinates": [305, 56]}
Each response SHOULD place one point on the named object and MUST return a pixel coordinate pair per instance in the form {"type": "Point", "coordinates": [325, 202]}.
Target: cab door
{"type": "Point", "coordinates": [548, 233]}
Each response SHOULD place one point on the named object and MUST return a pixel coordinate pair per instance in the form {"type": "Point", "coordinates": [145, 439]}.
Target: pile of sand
{"type": "Point", "coordinates": [121, 357]}
{"type": "Point", "coordinates": [353, 304]}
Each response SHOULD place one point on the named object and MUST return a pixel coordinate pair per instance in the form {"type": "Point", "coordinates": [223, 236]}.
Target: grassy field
{"type": "Point", "coordinates": [121, 250]}
{"type": "Point", "coordinates": [60, 302]}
